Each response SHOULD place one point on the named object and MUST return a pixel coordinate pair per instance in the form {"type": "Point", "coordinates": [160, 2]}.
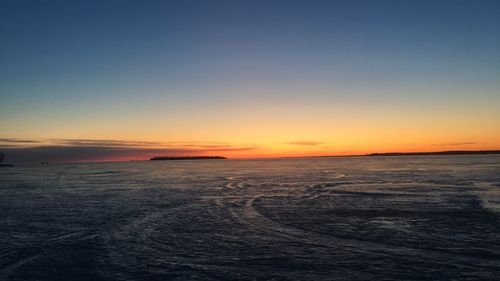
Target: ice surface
{"type": "Point", "coordinates": [390, 218]}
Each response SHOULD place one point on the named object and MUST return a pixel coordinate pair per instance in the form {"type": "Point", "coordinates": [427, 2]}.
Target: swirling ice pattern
{"type": "Point", "coordinates": [401, 218]}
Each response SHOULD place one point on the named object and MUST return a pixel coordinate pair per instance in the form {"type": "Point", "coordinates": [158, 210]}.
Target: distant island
{"type": "Point", "coordinates": [186, 158]}
{"type": "Point", "coordinates": [451, 152]}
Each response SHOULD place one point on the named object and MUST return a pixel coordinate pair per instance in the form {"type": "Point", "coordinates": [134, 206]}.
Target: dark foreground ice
{"type": "Point", "coordinates": [371, 218]}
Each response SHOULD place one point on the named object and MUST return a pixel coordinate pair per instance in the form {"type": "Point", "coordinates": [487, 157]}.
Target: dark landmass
{"type": "Point", "coordinates": [187, 158]}
{"type": "Point", "coordinates": [451, 152]}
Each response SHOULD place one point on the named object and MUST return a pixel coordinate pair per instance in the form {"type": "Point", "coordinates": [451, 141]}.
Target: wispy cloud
{"type": "Point", "coordinates": [103, 143]}
{"type": "Point", "coordinates": [57, 150]}
{"type": "Point", "coordinates": [306, 143]}
{"type": "Point", "coordinates": [454, 143]}
{"type": "Point", "coordinates": [14, 140]}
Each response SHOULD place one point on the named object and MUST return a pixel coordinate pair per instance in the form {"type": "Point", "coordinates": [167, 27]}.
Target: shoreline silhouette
{"type": "Point", "coordinates": [450, 152]}
{"type": "Point", "coordinates": [424, 153]}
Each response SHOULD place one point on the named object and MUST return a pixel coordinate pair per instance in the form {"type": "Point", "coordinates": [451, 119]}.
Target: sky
{"type": "Point", "coordinates": [122, 80]}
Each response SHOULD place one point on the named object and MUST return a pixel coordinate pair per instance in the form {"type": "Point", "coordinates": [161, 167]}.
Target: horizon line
{"type": "Point", "coordinates": [374, 154]}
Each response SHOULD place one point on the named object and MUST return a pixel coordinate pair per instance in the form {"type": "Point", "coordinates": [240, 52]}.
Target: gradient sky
{"type": "Point", "coordinates": [117, 80]}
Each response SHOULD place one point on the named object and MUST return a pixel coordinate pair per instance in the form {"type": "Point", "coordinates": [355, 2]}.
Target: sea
{"type": "Point", "coordinates": [325, 218]}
